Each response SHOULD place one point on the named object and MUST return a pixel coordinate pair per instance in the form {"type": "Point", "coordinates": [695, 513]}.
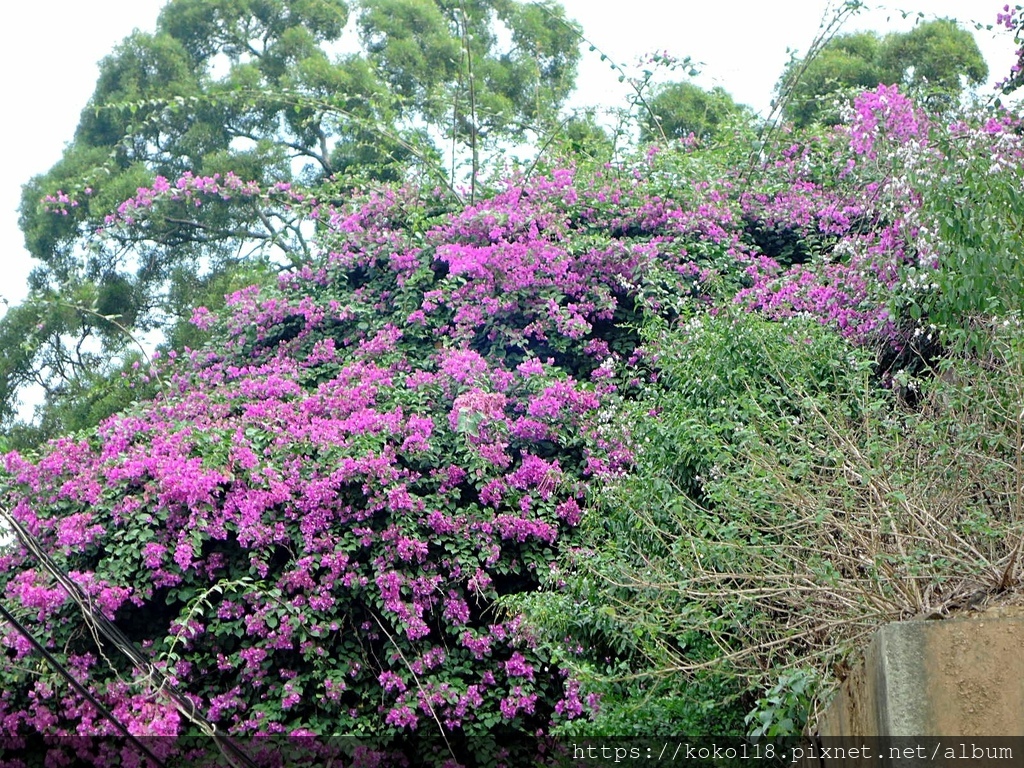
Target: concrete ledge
{"type": "Point", "coordinates": [952, 677]}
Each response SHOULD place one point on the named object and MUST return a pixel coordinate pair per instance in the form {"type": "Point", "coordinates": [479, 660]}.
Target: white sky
{"type": "Point", "coordinates": [49, 59]}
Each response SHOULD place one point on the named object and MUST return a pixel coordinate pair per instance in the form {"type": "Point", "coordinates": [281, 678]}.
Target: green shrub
{"type": "Point", "coordinates": [784, 506]}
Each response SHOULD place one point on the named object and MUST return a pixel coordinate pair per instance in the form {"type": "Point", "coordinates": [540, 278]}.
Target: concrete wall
{"type": "Point", "coordinates": [952, 677]}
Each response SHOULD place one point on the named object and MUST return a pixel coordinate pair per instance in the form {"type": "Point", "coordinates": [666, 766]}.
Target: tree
{"type": "Point", "coordinates": [234, 91]}
{"type": "Point", "coordinates": [678, 110]}
{"type": "Point", "coordinates": [847, 61]}
{"type": "Point", "coordinates": [581, 136]}
{"type": "Point", "coordinates": [936, 59]}
{"type": "Point", "coordinates": [446, 63]}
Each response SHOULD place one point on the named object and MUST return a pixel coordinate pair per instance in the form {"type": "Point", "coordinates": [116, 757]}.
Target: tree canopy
{"type": "Point", "coordinates": [936, 59]}
{"type": "Point", "coordinates": [680, 109]}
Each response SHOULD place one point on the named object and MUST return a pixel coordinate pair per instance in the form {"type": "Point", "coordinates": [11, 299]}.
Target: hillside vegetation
{"type": "Point", "coordinates": [639, 446]}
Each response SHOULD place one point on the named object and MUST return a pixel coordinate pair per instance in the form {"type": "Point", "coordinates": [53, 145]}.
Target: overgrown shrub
{"type": "Point", "coordinates": [784, 506]}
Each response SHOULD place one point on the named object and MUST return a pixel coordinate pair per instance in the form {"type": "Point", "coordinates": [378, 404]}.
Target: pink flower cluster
{"type": "Point", "coordinates": [885, 113]}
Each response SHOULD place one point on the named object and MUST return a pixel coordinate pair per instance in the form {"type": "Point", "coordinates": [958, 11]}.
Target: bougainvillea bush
{"type": "Point", "coordinates": [309, 530]}
{"type": "Point", "coordinates": [308, 527]}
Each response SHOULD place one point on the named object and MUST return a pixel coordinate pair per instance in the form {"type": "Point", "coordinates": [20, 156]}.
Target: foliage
{"type": "Point", "coordinates": [393, 438]}
{"type": "Point", "coordinates": [977, 219]}
{"type": "Point", "coordinates": [782, 713]}
{"type": "Point", "coordinates": [934, 60]}
{"type": "Point", "coordinates": [686, 554]}
{"type": "Point", "coordinates": [783, 507]}
{"type": "Point", "coordinates": [683, 109]}
{"type": "Point", "coordinates": [47, 323]}
{"type": "Point", "coordinates": [580, 139]}
{"type": "Point", "coordinates": [444, 62]}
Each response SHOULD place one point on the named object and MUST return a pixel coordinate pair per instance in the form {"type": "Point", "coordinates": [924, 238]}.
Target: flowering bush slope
{"type": "Point", "coordinates": [309, 528]}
